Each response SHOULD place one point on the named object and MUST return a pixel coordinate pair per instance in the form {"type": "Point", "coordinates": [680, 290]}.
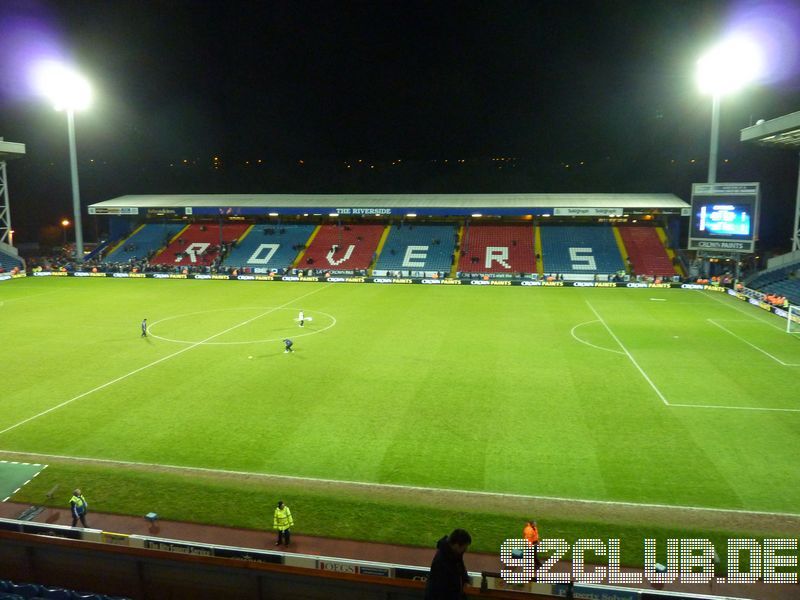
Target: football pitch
{"type": "Point", "coordinates": [631, 396]}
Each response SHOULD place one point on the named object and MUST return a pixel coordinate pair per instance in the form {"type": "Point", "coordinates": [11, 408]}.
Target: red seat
{"type": "Point", "coordinates": [344, 248]}
{"type": "Point", "coordinates": [646, 252]}
{"type": "Point", "coordinates": [498, 249]}
{"type": "Point", "coordinates": [198, 245]}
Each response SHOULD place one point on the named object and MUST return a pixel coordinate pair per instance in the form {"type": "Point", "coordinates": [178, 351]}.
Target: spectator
{"type": "Point", "coordinates": [448, 575]}
{"type": "Point", "coordinates": [79, 508]}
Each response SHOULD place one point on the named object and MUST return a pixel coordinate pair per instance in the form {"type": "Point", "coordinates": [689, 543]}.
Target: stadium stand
{"type": "Point", "coordinates": [8, 262]}
{"type": "Point", "coordinates": [783, 282]}
{"type": "Point", "coordinates": [411, 248]}
{"type": "Point", "coordinates": [498, 249]}
{"type": "Point", "coordinates": [646, 252]}
{"type": "Point", "coordinates": [342, 248]}
{"type": "Point", "coordinates": [199, 244]}
{"type": "Point", "coordinates": [269, 246]}
{"type": "Point", "coordinates": [586, 249]}
{"type": "Point", "coordinates": [149, 238]}
{"type": "Point", "coordinates": [10, 590]}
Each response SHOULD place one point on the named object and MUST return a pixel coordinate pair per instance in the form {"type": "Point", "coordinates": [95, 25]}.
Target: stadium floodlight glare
{"type": "Point", "coordinates": [64, 87]}
{"type": "Point", "coordinates": [69, 91]}
{"type": "Point", "coordinates": [726, 68]}
{"type": "Point", "coordinates": [729, 66]}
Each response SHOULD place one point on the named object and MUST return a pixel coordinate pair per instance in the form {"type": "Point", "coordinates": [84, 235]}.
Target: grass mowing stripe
{"type": "Point", "coordinates": [629, 355]}
{"type": "Point", "coordinates": [713, 296]}
{"type": "Point", "coordinates": [394, 486]}
{"type": "Point", "coordinates": [160, 360]}
{"type": "Point", "coordinates": [738, 337]}
{"type": "Point", "coordinates": [359, 516]}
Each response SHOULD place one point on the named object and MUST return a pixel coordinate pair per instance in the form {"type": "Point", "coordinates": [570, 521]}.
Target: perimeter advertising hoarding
{"type": "Point", "coordinates": [724, 217]}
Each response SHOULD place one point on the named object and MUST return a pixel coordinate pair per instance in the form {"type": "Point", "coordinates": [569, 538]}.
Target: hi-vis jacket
{"type": "Point", "coordinates": [283, 518]}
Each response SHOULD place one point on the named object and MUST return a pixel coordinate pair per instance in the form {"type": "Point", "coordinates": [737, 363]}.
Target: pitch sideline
{"type": "Point", "coordinates": [396, 486]}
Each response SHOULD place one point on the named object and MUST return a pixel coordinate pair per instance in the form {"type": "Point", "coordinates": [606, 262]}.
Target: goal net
{"type": "Point", "coordinates": [793, 320]}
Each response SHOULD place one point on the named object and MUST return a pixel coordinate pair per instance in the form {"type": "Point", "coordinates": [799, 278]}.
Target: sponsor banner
{"type": "Point", "coordinates": [251, 555]}
{"type": "Point", "coordinates": [364, 211]}
{"type": "Point", "coordinates": [375, 571]}
{"type": "Point", "coordinates": [337, 567]}
{"type": "Point", "coordinates": [389, 280]}
{"type": "Point", "coordinates": [247, 277]}
{"type": "Point", "coordinates": [450, 281]}
{"type": "Point", "coordinates": [346, 279]}
{"type": "Point", "coordinates": [588, 212]}
{"type": "Point", "coordinates": [431, 281]}
{"type": "Point", "coordinates": [44, 529]}
{"type": "Point", "coordinates": [4, 277]}
{"type": "Point", "coordinates": [489, 282]}
{"type": "Point", "coordinates": [42, 273]}
{"type": "Point", "coordinates": [192, 549]}
{"type": "Point", "coordinates": [117, 539]}
{"type": "Point", "coordinates": [415, 574]}
{"type": "Point", "coordinates": [722, 245]}
{"type": "Point", "coordinates": [113, 210]}
{"type": "Point", "coordinates": [80, 274]}
{"type": "Point", "coordinates": [298, 278]}
{"type": "Point", "coordinates": [169, 276]}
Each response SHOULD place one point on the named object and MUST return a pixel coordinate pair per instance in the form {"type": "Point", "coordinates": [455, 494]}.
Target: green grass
{"type": "Point", "coordinates": [337, 515]}
{"type": "Point", "coordinates": [469, 388]}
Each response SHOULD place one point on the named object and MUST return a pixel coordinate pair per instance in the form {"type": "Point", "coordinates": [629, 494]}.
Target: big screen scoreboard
{"type": "Point", "coordinates": [724, 217]}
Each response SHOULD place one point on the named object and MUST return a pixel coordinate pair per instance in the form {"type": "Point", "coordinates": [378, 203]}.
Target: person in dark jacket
{"type": "Point", "coordinates": [448, 574]}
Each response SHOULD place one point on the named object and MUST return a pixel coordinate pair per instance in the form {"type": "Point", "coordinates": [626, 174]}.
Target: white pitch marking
{"type": "Point", "coordinates": [658, 299]}
{"type": "Point", "coordinates": [738, 337]}
{"type": "Point", "coordinates": [630, 356]}
{"type": "Point", "coordinates": [264, 341]}
{"type": "Point", "coordinates": [736, 407]}
{"type": "Point", "coordinates": [396, 486]}
{"type": "Point", "coordinates": [737, 309]}
{"type": "Point", "coordinates": [155, 362]}
{"type": "Point", "coordinates": [572, 333]}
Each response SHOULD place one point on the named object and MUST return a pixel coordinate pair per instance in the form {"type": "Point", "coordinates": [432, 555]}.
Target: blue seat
{"type": "Point", "coordinates": [55, 593]}
{"type": "Point", "coordinates": [4, 585]}
{"type": "Point", "coordinates": [26, 590]}
{"type": "Point", "coordinates": [7, 596]}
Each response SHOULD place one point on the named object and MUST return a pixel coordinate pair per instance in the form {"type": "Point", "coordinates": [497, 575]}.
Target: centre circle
{"type": "Point", "coordinates": [268, 310]}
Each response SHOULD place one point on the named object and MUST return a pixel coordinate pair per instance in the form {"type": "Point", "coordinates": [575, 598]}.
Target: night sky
{"type": "Point", "coordinates": [547, 83]}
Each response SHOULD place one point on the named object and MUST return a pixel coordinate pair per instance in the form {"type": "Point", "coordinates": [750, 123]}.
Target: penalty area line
{"type": "Point", "coordinates": [155, 362]}
{"type": "Point", "coordinates": [394, 486]}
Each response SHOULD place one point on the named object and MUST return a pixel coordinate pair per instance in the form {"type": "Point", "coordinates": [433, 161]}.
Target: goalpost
{"type": "Point", "coordinates": [793, 320]}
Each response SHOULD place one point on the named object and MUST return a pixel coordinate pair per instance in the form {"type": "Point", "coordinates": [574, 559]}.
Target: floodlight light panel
{"type": "Point", "coordinates": [729, 66]}
{"type": "Point", "coordinates": [64, 87]}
